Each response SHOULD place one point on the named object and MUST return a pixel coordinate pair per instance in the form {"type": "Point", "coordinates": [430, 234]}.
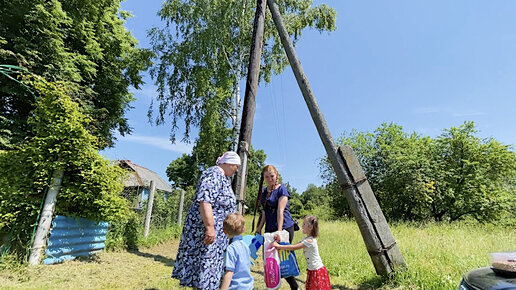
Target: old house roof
{"type": "Point", "coordinates": [141, 176]}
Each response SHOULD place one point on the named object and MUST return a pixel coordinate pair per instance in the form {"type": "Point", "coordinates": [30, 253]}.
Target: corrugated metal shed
{"type": "Point", "coordinates": [141, 176]}
{"type": "Point", "coordinates": [73, 237]}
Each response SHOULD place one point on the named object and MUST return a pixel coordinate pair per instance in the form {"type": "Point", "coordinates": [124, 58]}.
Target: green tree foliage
{"type": "Point", "coordinates": [214, 138]}
{"type": "Point", "coordinates": [476, 176]}
{"type": "Point", "coordinates": [295, 202]}
{"type": "Point", "coordinates": [164, 209]}
{"type": "Point", "coordinates": [5, 134]}
{"type": "Point", "coordinates": [316, 201]}
{"type": "Point", "coordinates": [452, 177]}
{"type": "Point", "coordinates": [202, 55]}
{"type": "Point", "coordinates": [398, 167]}
{"type": "Point", "coordinates": [82, 42]}
{"type": "Point", "coordinates": [256, 163]}
{"type": "Point", "coordinates": [183, 171]}
{"type": "Point", "coordinates": [91, 186]}
{"type": "Point", "coordinates": [314, 195]}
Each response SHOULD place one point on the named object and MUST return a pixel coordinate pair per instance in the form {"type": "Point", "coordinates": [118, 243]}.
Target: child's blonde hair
{"type": "Point", "coordinates": [234, 224]}
{"type": "Point", "coordinates": [312, 220]}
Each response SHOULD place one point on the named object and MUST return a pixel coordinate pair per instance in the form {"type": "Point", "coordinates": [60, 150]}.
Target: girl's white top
{"type": "Point", "coordinates": [311, 251]}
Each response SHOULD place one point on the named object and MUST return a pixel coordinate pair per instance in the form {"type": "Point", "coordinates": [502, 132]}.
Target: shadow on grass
{"type": "Point", "coordinates": [89, 259]}
{"type": "Point", "coordinates": [158, 258]}
{"type": "Point", "coordinates": [374, 283]}
{"type": "Point", "coordinates": [262, 274]}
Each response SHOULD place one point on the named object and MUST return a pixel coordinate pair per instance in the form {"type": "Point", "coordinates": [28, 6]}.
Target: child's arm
{"type": "Point", "coordinates": [288, 247]}
{"type": "Point", "coordinates": [226, 281]}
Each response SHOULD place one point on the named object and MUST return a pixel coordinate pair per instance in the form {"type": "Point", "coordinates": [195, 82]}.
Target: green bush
{"type": "Point", "coordinates": [90, 187]}
{"type": "Point", "coordinates": [123, 234]}
{"type": "Point", "coordinates": [127, 234]}
{"type": "Point", "coordinates": [452, 177]}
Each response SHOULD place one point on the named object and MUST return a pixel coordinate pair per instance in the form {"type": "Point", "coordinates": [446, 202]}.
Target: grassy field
{"type": "Point", "coordinates": [437, 256]}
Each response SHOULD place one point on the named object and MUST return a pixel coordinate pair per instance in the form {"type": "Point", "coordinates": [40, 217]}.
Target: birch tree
{"type": "Point", "coordinates": [202, 54]}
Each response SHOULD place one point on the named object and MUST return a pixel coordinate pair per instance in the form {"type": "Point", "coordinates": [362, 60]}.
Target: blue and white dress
{"type": "Point", "coordinates": [198, 265]}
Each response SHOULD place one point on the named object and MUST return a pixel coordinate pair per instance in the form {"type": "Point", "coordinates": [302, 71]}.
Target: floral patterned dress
{"type": "Point", "coordinates": [198, 265]}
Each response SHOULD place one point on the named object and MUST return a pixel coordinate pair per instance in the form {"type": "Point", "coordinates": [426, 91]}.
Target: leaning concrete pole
{"type": "Point", "coordinates": [45, 220]}
{"type": "Point", "coordinates": [380, 243]}
{"type": "Point", "coordinates": [181, 202]}
{"type": "Point", "coordinates": [150, 204]}
{"type": "Point", "coordinates": [251, 85]}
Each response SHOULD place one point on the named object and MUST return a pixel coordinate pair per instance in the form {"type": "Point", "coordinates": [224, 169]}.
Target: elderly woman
{"type": "Point", "coordinates": [200, 257]}
{"type": "Point", "coordinates": [275, 209]}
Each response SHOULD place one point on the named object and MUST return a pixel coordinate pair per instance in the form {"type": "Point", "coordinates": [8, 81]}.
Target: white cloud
{"type": "Point", "coordinates": [159, 142]}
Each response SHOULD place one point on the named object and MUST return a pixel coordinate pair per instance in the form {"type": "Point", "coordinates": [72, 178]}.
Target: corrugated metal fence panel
{"type": "Point", "coordinates": [73, 237]}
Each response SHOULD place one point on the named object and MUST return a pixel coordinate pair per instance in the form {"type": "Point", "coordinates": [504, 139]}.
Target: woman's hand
{"type": "Point", "coordinates": [275, 244]}
{"type": "Point", "coordinates": [209, 235]}
{"type": "Point", "coordinates": [209, 224]}
{"type": "Point", "coordinates": [261, 222]}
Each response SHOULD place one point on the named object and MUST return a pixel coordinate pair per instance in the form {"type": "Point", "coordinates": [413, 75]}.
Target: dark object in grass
{"type": "Point", "coordinates": [504, 273]}
{"type": "Point", "coordinates": [485, 278]}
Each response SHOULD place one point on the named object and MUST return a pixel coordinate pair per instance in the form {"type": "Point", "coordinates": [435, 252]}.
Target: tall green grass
{"type": "Point", "coordinates": [159, 235]}
{"type": "Point", "coordinates": [437, 254]}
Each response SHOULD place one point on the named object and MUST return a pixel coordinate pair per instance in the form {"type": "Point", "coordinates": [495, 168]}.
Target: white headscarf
{"type": "Point", "coordinates": [229, 157]}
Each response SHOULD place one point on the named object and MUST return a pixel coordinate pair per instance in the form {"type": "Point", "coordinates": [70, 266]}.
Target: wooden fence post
{"type": "Point", "coordinates": [148, 214]}
{"type": "Point", "coordinates": [181, 202]}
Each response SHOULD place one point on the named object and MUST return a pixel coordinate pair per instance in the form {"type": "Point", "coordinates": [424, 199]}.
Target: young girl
{"type": "Point", "coordinates": [317, 277]}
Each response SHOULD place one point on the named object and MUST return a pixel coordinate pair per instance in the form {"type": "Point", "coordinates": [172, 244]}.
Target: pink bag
{"type": "Point", "coordinates": [271, 269]}
{"type": "Point", "coordinates": [271, 260]}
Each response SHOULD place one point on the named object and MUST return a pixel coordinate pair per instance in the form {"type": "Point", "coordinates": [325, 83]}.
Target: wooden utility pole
{"type": "Point", "coordinates": [148, 214]}
{"type": "Point", "coordinates": [246, 127]}
{"type": "Point", "coordinates": [380, 243]}
{"type": "Point", "coordinates": [47, 213]}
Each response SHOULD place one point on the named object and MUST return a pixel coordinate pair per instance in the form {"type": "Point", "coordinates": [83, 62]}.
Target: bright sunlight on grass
{"type": "Point", "coordinates": [437, 256]}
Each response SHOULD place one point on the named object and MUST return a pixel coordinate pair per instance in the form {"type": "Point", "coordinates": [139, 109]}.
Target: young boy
{"type": "Point", "coordinates": [238, 257]}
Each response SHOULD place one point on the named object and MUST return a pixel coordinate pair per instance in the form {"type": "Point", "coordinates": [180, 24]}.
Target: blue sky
{"type": "Point", "coordinates": [424, 65]}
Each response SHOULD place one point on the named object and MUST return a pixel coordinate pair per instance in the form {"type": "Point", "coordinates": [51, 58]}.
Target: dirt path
{"type": "Point", "coordinates": [144, 269]}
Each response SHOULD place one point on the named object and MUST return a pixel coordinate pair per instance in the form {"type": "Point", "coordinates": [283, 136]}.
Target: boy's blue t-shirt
{"type": "Point", "coordinates": [238, 261]}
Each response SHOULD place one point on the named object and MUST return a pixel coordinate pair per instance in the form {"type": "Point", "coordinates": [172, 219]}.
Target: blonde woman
{"type": "Point", "coordinates": [275, 209]}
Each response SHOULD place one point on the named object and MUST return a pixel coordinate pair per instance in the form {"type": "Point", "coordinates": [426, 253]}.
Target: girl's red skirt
{"type": "Point", "coordinates": [318, 279]}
